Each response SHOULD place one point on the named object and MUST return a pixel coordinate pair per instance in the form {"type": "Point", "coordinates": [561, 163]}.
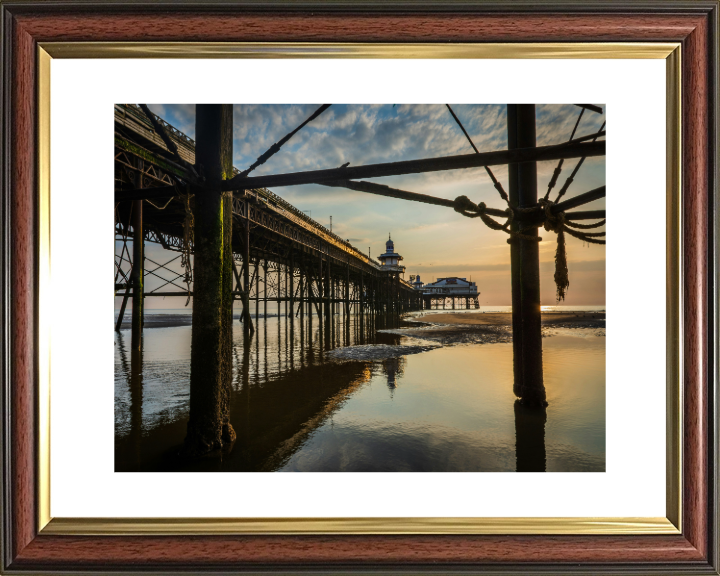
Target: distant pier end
{"type": "Point", "coordinates": [456, 290]}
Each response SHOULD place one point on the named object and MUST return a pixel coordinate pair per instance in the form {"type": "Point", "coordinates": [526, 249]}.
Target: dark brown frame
{"type": "Point", "coordinates": [693, 24]}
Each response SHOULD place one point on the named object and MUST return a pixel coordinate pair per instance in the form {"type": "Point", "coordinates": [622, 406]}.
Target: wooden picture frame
{"type": "Point", "coordinates": [29, 548]}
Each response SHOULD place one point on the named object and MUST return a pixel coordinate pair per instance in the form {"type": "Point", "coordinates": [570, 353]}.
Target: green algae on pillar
{"type": "Point", "coordinates": [209, 427]}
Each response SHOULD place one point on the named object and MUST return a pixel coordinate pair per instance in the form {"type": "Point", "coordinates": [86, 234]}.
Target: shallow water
{"type": "Point", "coordinates": [303, 402]}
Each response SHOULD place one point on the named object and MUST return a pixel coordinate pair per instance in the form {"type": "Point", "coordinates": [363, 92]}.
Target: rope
{"type": "Point", "coordinates": [575, 171]}
{"type": "Point", "coordinates": [585, 226]}
{"type": "Point", "coordinates": [558, 168]}
{"type": "Point", "coordinates": [188, 240]}
{"type": "Point", "coordinates": [275, 148]}
{"type": "Point", "coordinates": [463, 205]}
{"type": "Point", "coordinates": [585, 236]}
{"type": "Point", "coordinates": [557, 223]}
{"type": "Point", "coordinates": [495, 182]}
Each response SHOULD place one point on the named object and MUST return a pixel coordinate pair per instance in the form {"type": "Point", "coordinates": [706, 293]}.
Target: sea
{"type": "Point", "coordinates": [366, 394]}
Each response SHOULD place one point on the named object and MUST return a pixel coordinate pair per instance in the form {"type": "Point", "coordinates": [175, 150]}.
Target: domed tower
{"type": "Point", "coordinates": [391, 259]}
{"type": "Point", "coordinates": [417, 283]}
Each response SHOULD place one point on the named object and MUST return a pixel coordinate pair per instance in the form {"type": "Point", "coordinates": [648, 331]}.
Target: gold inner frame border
{"type": "Point", "coordinates": [671, 524]}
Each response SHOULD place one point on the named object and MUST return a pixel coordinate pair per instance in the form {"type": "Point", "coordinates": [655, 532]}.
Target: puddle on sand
{"type": "Point", "coordinates": [450, 334]}
{"type": "Point", "coordinates": [381, 351]}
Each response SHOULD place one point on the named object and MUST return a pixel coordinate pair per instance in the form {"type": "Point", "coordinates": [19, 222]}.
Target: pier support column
{"type": "Point", "coordinates": [209, 426]}
{"type": "Point", "coordinates": [292, 285]}
{"type": "Point", "coordinates": [138, 272]}
{"type": "Point", "coordinates": [265, 291]}
{"type": "Point", "coordinates": [361, 294]}
{"type": "Point", "coordinates": [525, 264]}
{"type": "Point", "coordinates": [347, 291]}
{"type": "Point", "coordinates": [278, 288]}
{"type": "Point", "coordinates": [257, 290]}
{"type": "Point", "coordinates": [248, 328]}
{"type": "Point", "coordinates": [321, 303]}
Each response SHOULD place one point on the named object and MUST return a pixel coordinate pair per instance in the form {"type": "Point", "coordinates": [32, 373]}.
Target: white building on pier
{"type": "Point", "coordinates": [391, 259]}
{"type": "Point", "coordinates": [453, 288]}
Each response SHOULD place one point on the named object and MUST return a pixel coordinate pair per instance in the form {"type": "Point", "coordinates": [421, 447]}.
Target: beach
{"type": "Point", "coordinates": [428, 392]}
{"type": "Point", "coordinates": [578, 319]}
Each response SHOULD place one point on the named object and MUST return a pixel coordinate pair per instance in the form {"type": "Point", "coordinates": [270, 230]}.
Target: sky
{"type": "Point", "coordinates": [434, 241]}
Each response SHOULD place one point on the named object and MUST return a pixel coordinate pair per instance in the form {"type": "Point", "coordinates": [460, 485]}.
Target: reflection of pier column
{"type": "Point", "coordinates": [245, 371]}
{"type": "Point", "coordinates": [136, 401]}
{"type": "Point", "coordinates": [279, 340]}
{"type": "Point", "coordinates": [301, 289]}
{"type": "Point", "coordinates": [302, 336]}
{"type": "Point", "coordinates": [292, 340]}
{"type": "Point", "coordinates": [530, 437]}
{"type": "Point", "coordinates": [265, 349]}
{"type": "Point", "coordinates": [278, 287]}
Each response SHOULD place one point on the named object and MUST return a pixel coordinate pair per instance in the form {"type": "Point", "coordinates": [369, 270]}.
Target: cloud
{"type": "Point", "coordinates": [434, 240]}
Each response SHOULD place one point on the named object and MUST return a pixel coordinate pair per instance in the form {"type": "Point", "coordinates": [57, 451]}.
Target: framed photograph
{"type": "Point", "coordinates": [404, 297]}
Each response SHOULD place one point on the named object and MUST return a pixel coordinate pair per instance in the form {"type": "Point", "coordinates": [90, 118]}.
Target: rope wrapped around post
{"type": "Point", "coordinates": [552, 222]}
{"type": "Point", "coordinates": [468, 208]}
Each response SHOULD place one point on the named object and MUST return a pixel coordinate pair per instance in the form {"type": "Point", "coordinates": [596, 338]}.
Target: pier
{"type": "Point", "coordinates": [280, 254]}
{"type": "Point", "coordinates": [450, 291]}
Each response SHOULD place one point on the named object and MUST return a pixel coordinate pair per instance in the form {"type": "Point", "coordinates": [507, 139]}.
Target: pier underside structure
{"type": "Point", "coordinates": [456, 301]}
{"type": "Point", "coordinates": [280, 254]}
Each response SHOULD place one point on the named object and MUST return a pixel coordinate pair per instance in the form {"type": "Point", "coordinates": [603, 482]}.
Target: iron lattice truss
{"type": "Point", "coordinates": [290, 257]}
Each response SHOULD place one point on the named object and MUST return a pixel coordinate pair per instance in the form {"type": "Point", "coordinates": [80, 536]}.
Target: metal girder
{"type": "Point", "coordinates": [572, 149]}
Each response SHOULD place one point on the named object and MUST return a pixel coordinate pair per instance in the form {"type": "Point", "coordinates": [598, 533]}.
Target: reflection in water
{"type": "Point", "coordinates": [393, 368]}
{"type": "Point", "coordinates": [135, 380]}
{"type": "Point", "coordinates": [530, 437]}
{"type": "Point", "coordinates": [293, 408]}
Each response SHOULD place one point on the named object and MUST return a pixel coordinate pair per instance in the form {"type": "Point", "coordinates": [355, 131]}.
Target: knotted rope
{"type": "Point", "coordinates": [552, 222]}
{"type": "Point", "coordinates": [468, 208]}
{"type": "Point", "coordinates": [559, 224]}
{"type": "Point", "coordinates": [188, 239]}
{"type": "Point", "coordinates": [556, 223]}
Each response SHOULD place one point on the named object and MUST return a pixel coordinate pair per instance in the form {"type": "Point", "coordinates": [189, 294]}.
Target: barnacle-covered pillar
{"type": "Point", "coordinates": [209, 427]}
{"type": "Point", "coordinates": [525, 264]}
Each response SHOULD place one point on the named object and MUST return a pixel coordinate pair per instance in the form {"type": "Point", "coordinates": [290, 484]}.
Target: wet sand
{"type": "Point", "coordinates": [478, 325]}
{"type": "Point", "coordinates": [488, 328]}
{"type": "Point", "coordinates": [576, 319]}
